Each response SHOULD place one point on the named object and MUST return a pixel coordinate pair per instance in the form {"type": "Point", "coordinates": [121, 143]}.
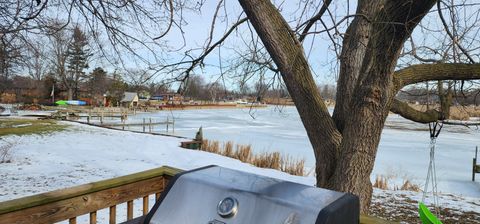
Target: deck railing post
{"type": "Point", "coordinates": [145, 205]}
{"type": "Point", "coordinates": [129, 210]}
{"type": "Point", "coordinates": [113, 214]}
{"type": "Point", "coordinates": [93, 217]}
{"type": "Point", "coordinates": [66, 205]}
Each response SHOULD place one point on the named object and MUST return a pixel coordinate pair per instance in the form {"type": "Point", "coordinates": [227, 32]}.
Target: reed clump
{"type": "Point", "coordinates": [272, 160]}
{"type": "Point", "coordinates": [381, 182]}
{"type": "Point", "coordinates": [243, 153]}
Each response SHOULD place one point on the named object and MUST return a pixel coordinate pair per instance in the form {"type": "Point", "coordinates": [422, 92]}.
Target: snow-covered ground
{"type": "Point", "coordinates": [83, 154]}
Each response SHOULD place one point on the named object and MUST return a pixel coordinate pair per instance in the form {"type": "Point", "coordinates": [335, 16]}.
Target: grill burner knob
{"type": "Point", "coordinates": [227, 207]}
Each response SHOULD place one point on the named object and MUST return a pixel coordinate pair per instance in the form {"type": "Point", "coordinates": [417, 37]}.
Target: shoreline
{"type": "Point", "coordinates": [210, 106]}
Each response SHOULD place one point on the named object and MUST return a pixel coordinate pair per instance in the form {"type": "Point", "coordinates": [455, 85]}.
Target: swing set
{"type": "Point", "coordinates": [426, 216]}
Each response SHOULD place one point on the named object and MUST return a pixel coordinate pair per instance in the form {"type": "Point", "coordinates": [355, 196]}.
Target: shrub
{"type": "Point", "coordinates": [5, 152]}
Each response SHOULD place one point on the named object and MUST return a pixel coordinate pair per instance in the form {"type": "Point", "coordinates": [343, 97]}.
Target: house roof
{"type": "Point", "coordinates": [129, 97]}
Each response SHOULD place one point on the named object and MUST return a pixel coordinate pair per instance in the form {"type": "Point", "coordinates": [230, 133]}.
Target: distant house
{"type": "Point", "coordinates": [8, 97]}
{"type": "Point", "coordinates": [130, 99]}
{"type": "Point", "coordinates": [168, 98]}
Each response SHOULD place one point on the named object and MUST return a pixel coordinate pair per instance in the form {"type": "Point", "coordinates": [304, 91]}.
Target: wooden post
{"type": "Point", "coordinates": [129, 210]}
{"type": "Point", "coordinates": [72, 220]}
{"type": "Point", "coordinates": [113, 214]}
{"type": "Point", "coordinates": [474, 164]}
{"type": "Point", "coordinates": [143, 124]}
{"type": "Point", "coordinates": [93, 217]}
{"type": "Point", "coordinates": [150, 126]}
{"type": "Point", "coordinates": [473, 169]}
{"type": "Point", "coordinates": [88, 118]}
{"type": "Point", "coordinates": [167, 124]}
{"type": "Point", "coordinates": [101, 118]}
{"type": "Point", "coordinates": [145, 205]}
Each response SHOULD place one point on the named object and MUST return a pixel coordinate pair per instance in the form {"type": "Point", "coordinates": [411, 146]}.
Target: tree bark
{"type": "Point", "coordinates": [392, 23]}
{"type": "Point", "coordinates": [351, 60]}
{"type": "Point", "coordinates": [430, 72]}
{"type": "Point", "coordinates": [345, 146]}
{"type": "Point", "coordinates": [404, 110]}
{"type": "Point", "coordinates": [287, 53]}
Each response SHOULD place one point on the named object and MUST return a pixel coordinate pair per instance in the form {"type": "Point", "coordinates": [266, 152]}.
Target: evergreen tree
{"type": "Point", "coordinates": [78, 54]}
{"type": "Point", "coordinates": [97, 83]}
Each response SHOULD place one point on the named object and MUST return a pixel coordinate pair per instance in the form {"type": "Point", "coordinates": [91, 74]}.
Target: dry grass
{"type": "Point", "coordinates": [243, 153]}
{"type": "Point", "coordinates": [272, 160]}
{"type": "Point", "coordinates": [268, 160]}
{"type": "Point", "coordinates": [459, 113]}
{"type": "Point", "coordinates": [290, 165]}
{"type": "Point", "coordinates": [408, 186]}
{"type": "Point", "coordinates": [381, 182]}
{"type": "Point", "coordinates": [14, 126]}
{"type": "Point", "coordinates": [228, 149]}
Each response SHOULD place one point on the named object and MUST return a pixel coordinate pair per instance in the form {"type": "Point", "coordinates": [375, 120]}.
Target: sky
{"type": "Point", "coordinates": [196, 27]}
{"type": "Point", "coordinates": [318, 48]}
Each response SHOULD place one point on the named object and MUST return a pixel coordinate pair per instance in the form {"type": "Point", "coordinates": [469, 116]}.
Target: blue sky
{"type": "Point", "coordinates": [318, 48]}
{"type": "Point", "coordinates": [198, 28]}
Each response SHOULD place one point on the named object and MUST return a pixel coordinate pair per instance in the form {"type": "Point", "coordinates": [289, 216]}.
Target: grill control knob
{"type": "Point", "coordinates": [227, 207]}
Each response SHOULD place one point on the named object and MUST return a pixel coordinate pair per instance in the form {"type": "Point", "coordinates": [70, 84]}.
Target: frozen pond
{"type": "Point", "coordinates": [403, 152]}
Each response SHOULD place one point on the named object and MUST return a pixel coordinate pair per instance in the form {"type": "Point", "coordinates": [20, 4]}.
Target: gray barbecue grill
{"type": "Point", "coordinates": [217, 195]}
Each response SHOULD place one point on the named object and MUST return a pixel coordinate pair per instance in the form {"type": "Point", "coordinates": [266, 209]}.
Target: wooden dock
{"type": "Point", "coordinates": [147, 124]}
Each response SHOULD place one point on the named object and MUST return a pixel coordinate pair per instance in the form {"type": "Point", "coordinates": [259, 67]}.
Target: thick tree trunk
{"type": "Point", "coordinates": [289, 57]}
{"type": "Point", "coordinates": [392, 23]}
{"type": "Point", "coordinates": [345, 148]}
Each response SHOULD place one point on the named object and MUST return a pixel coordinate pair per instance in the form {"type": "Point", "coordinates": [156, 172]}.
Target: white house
{"type": "Point", "coordinates": [130, 99]}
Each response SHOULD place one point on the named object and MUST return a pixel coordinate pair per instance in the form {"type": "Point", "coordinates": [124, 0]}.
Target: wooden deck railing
{"type": "Point", "coordinates": [69, 203]}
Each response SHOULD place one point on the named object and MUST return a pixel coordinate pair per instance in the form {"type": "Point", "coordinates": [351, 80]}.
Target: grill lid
{"type": "Point", "coordinates": [217, 195]}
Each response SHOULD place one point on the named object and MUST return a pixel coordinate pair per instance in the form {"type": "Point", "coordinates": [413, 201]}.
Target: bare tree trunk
{"type": "Point", "coordinates": [289, 57]}
{"type": "Point", "coordinates": [70, 93]}
{"type": "Point", "coordinates": [345, 150]}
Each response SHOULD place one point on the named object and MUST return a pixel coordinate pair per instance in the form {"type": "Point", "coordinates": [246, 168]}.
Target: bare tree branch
{"type": "Point", "coordinates": [430, 72]}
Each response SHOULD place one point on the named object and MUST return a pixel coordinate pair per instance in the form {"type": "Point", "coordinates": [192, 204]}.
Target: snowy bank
{"type": "Point", "coordinates": [83, 154]}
